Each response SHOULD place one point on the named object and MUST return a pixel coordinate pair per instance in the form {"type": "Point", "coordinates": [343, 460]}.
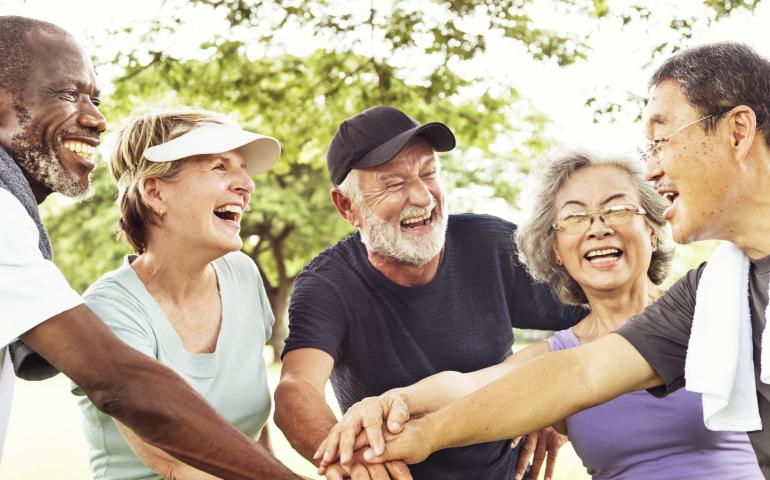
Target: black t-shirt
{"type": "Point", "coordinates": [382, 335]}
{"type": "Point", "coordinates": [662, 333]}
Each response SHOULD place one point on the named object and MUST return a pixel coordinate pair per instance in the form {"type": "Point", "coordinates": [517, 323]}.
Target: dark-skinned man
{"type": "Point", "coordinates": [49, 127]}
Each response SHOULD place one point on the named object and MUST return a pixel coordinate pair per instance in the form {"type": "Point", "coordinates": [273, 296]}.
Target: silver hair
{"type": "Point", "coordinates": [535, 237]}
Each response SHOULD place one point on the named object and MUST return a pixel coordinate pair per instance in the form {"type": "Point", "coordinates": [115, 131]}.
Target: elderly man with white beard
{"type": "Point", "coordinates": [414, 292]}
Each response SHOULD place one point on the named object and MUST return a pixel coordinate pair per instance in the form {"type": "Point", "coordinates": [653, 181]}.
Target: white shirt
{"type": "Point", "coordinates": [32, 289]}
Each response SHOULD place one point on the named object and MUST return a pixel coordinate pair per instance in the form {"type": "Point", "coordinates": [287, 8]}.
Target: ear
{"type": "Point", "coordinates": [743, 125]}
{"type": "Point", "coordinates": [345, 207]}
{"type": "Point", "coordinates": [152, 195]}
{"type": "Point", "coordinates": [557, 257]}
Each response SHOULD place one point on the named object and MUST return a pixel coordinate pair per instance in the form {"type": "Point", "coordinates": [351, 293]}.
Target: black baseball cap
{"type": "Point", "coordinates": [376, 135]}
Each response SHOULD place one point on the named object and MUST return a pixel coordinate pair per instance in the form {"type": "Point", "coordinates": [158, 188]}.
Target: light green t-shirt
{"type": "Point", "coordinates": [232, 379]}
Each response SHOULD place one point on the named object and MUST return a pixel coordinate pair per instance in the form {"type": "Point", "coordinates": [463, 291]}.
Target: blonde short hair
{"type": "Point", "coordinates": [129, 168]}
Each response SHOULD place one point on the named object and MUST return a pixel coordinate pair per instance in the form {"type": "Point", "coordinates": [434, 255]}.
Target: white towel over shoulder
{"type": "Point", "coordinates": [720, 362]}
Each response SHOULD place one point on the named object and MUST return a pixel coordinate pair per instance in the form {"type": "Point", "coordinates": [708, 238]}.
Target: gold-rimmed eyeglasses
{"type": "Point", "coordinates": [578, 222]}
{"type": "Point", "coordinates": [653, 147]}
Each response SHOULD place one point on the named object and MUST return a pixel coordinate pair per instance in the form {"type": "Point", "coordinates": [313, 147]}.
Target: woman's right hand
{"type": "Point", "coordinates": [368, 416]}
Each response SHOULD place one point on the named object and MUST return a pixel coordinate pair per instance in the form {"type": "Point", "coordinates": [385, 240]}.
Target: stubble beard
{"type": "Point", "coordinates": [40, 163]}
{"type": "Point", "coordinates": [382, 237]}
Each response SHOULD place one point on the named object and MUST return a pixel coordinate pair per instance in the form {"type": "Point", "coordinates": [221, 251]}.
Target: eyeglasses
{"type": "Point", "coordinates": [578, 222]}
{"type": "Point", "coordinates": [653, 147]}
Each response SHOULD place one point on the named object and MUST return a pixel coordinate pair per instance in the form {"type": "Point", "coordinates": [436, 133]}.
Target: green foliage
{"type": "Point", "coordinates": [413, 55]}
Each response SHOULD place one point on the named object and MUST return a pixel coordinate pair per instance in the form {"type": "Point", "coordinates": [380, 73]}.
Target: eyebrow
{"type": "Point", "coordinates": [607, 200]}
{"type": "Point", "coordinates": [656, 119]}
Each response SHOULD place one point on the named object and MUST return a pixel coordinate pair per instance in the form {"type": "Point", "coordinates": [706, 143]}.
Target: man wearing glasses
{"type": "Point", "coordinates": [709, 157]}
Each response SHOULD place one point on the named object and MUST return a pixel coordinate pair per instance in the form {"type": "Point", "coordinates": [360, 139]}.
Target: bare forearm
{"type": "Point", "coordinates": [149, 398]}
{"type": "Point", "coordinates": [540, 393]}
{"type": "Point", "coordinates": [303, 416]}
{"type": "Point", "coordinates": [435, 392]}
{"type": "Point", "coordinates": [443, 388]}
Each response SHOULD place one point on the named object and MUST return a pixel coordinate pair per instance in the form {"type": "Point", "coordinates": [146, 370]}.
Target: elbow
{"type": "Point", "coordinates": [282, 414]}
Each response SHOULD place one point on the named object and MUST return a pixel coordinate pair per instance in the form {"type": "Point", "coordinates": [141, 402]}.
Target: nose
{"type": "Point", "coordinates": [419, 194]}
{"type": "Point", "coordinates": [90, 117]}
{"type": "Point", "coordinates": [243, 183]}
{"type": "Point", "coordinates": [597, 228]}
{"type": "Point", "coordinates": [652, 169]}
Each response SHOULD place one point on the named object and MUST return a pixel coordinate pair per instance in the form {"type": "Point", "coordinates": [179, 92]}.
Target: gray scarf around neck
{"type": "Point", "coordinates": [27, 364]}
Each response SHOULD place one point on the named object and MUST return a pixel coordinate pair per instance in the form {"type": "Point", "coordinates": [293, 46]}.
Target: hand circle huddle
{"type": "Point", "coordinates": [378, 437]}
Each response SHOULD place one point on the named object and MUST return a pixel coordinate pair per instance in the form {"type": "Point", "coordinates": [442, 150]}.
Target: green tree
{"type": "Point", "coordinates": [416, 55]}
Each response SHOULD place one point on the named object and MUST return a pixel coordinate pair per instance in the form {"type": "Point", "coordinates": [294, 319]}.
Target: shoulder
{"type": "Point", "coordinates": [473, 235]}
{"type": "Point", "coordinates": [336, 261]}
{"type": "Point", "coordinates": [484, 228]}
{"type": "Point", "coordinates": [14, 218]}
{"type": "Point", "coordinates": [115, 291]}
{"type": "Point", "coordinates": [237, 264]}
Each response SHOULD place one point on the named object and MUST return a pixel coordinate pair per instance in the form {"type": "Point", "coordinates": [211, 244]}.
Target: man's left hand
{"type": "Point", "coordinates": [539, 446]}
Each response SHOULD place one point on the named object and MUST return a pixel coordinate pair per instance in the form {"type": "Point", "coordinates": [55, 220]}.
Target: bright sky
{"type": "Point", "coordinates": [616, 65]}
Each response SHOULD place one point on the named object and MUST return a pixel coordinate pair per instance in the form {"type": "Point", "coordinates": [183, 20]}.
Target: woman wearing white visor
{"type": "Point", "coordinates": [188, 297]}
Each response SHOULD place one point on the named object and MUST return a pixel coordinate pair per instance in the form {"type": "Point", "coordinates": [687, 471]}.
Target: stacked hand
{"type": "Point", "coordinates": [383, 424]}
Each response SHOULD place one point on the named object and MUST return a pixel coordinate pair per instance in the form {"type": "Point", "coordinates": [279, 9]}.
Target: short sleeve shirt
{"type": "Point", "coordinates": [662, 332]}
{"type": "Point", "coordinates": [383, 335]}
{"type": "Point", "coordinates": [232, 379]}
{"type": "Point", "coordinates": [32, 289]}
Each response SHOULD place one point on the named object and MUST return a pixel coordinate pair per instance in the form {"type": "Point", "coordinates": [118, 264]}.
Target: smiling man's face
{"type": "Point", "coordinates": [691, 169]}
{"type": "Point", "coordinates": [55, 123]}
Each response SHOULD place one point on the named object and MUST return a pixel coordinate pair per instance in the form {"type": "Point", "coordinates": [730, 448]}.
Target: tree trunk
{"type": "Point", "coordinates": [279, 302]}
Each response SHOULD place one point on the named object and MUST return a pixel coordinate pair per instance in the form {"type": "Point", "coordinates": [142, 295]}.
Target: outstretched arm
{"type": "Point", "coordinates": [537, 394]}
{"type": "Point", "coordinates": [127, 384]}
{"type": "Point", "coordinates": [304, 417]}
{"type": "Point", "coordinates": [396, 406]}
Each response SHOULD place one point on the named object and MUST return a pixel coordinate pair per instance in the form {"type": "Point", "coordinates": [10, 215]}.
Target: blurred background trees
{"type": "Point", "coordinates": [296, 69]}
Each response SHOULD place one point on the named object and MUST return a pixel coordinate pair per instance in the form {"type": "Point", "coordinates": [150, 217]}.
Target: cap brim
{"type": "Point", "coordinates": [259, 151]}
{"type": "Point", "coordinates": [438, 135]}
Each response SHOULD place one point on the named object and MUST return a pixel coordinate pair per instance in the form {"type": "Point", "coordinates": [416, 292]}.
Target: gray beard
{"type": "Point", "coordinates": [42, 166]}
{"type": "Point", "coordinates": [380, 236]}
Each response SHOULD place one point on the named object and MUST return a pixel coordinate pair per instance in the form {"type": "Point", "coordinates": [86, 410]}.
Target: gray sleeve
{"type": "Point", "coordinates": [661, 333]}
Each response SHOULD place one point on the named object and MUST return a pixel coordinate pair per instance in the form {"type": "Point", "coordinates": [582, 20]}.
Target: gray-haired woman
{"type": "Point", "coordinates": [597, 236]}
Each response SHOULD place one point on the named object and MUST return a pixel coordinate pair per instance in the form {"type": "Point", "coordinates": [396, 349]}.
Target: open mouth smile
{"type": "Point", "coordinates": [230, 213]}
{"type": "Point", "coordinates": [603, 256]}
{"type": "Point", "coordinates": [418, 220]}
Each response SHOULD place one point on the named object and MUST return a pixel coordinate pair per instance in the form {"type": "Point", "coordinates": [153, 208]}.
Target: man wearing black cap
{"type": "Point", "coordinates": [416, 291]}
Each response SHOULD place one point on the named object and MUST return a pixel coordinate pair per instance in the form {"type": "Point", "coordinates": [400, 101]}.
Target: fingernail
{"type": "Point", "coordinates": [519, 476]}
{"type": "Point", "coordinates": [395, 426]}
{"type": "Point", "coordinates": [316, 455]}
{"type": "Point", "coordinates": [344, 458]}
{"type": "Point", "coordinates": [368, 455]}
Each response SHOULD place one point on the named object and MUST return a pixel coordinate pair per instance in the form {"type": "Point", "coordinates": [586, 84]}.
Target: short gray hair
{"type": "Point", "coordinates": [722, 75]}
{"type": "Point", "coordinates": [535, 236]}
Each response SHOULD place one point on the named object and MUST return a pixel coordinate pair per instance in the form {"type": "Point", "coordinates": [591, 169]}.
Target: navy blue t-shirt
{"type": "Point", "coordinates": [382, 335]}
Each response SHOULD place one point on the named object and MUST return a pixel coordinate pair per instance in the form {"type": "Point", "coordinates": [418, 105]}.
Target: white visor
{"type": "Point", "coordinates": [259, 151]}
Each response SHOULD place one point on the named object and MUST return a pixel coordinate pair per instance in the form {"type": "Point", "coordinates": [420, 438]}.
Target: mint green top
{"type": "Point", "coordinates": [233, 378]}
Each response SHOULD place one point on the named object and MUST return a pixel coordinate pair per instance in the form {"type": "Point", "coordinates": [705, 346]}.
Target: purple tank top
{"type": "Point", "coordinates": [638, 436]}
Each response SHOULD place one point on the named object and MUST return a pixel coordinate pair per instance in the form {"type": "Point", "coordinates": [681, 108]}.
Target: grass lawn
{"type": "Point", "coordinates": [45, 440]}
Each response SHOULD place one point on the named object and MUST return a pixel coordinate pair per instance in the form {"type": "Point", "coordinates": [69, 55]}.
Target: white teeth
{"type": "Point", "coordinates": [410, 220]}
{"type": "Point", "coordinates": [80, 148]}
{"type": "Point", "coordinates": [230, 208]}
{"type": "Point", "coordinates": [606, 251]}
